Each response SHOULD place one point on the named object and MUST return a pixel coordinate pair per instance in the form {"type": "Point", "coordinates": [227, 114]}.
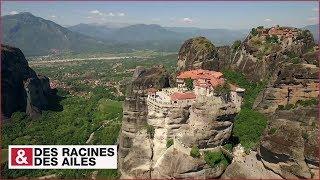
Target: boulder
{"type": "Point", "coordinates": [197, 53]}
{"type": "Point", "coordinates": [248, 167]}
{"type": "Point", "coordinates": [177, 164]}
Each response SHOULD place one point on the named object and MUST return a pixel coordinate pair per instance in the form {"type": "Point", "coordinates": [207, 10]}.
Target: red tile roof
{"type": "Point", "coordinates": [282, 32]}
{"type": "Point", "coordinates": [182, 96]}
{"type": "Point", "coordinates": [199, 74]}
{"type": "Point", "coordinates": [213, 78]}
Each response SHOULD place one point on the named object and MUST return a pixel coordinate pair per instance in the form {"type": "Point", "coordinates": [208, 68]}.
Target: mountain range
{"type": "Point", "coordinates": [38, 36]}
{"type": "Point", "coordinates": [154, 32]}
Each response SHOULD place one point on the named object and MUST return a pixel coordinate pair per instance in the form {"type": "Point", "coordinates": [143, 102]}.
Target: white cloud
{"type": "Point", "coordinates": [53, 16]}
{"type": "Point", "coordinates": [187, 20]}
{"type": "Point", "coordinates": [268, 20]}
{"type": "Point", "coordinates": [97, 12]}
{"type": "Point", "coordinates": [13, 12]}
{"type": "Point", "coordinates": [312, 19]}
{"type": "Point", "coordinates": [121, 14]}
{"type": "Point", "coordinates": [315, 9]}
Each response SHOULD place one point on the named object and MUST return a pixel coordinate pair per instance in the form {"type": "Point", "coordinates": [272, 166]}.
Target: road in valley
{"type": "Point", "coordinates": [86, 59]}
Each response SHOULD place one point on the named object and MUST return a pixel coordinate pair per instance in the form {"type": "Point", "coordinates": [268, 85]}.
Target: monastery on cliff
{"type": "Point", "coordinates": [204, 84]}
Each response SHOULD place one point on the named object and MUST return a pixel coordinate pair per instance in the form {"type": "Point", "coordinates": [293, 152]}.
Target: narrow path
{"type": "Point", "coordinates": [103, 125]}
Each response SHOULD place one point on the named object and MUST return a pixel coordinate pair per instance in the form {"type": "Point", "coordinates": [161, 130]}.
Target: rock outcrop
{"type": "Point", "coordinates": [288, 147]}
{"type": "Point", "coordinates": [291, 83]}
{"type": "Point", "coordinates": [197, 53]}
{"type": "Point", "coordinates": [22, 88]}
{"type": "Point", "coordinates": [289, 144]}
{"type": "Point", "coordinates": [209, 125]}
{"type": "Point", "coordinates": [135, 118]}
{"type": "Point", "coordinates": [248, 167]}
{"type": "Point", "coordinates": [258, 57]}
{"type": "Point", "coordinates": [146, 131]}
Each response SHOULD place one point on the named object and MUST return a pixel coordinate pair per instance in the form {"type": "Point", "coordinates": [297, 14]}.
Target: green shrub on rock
{"type": "Point", "coordinates": [150, 130]}
{"type": "Point", "coordinates": [308, 102]}
{"type": "Point", "coordinates": [222, 89]}
{"type": "Point", "coordinates": [195, 152]}
{"type": "Point", "coordinates": [254, 32]}
{"type": "Point", "coordinates": [273, 130]}
{"type": "Point", "coordinates": [229, 147]}
{"type": "Point", "coordinates": [236, 44]}
{"type": "Point", "coordinates": [249, 126]}
{"type": "Point", "coordinates": [215, 158]}
{"type": "Point", "coordinates": [189, 84]}
{"type": "Point", "coordinates": [169, 142]}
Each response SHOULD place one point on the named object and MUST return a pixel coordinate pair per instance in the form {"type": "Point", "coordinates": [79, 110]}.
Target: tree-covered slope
{"type": "Point", "coordinates": [37, 36]}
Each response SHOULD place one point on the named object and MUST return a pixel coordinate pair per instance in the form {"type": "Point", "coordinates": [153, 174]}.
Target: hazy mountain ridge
{"type": "Point", "coordinates": [37, 36]}
{"type": "Point", "coordinates": [314, 29]}
{"type": "Point", "coordinates": [93, 30]}
{"type": "Point", "coordinates": [154, 32]}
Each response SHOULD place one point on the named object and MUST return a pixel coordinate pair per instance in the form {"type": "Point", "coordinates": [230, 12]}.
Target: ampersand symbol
{"type": "Point", "coordinates": [21, 159]}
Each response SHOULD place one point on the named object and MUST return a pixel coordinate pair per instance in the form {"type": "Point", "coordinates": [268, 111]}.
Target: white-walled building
{"type": "Point", "coordinates": [204, 83]}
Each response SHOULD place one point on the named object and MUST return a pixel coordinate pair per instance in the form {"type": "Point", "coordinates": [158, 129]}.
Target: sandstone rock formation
{"type": "Point", "coordinates": [258, 59]}
{"type": "Point", "coordinates": [22, 88]}
{"type": "Point", "coordinates": [197, 53]}
{"type": "Point", "coordinates": [291, 83]}
{"type": "Point", "coordinates": [248, 167]}
{"type": "Point", "coordinates": [224, 54]}
{"type": "Point", "coordinates": [207, 125]}
{"type": "Point", "coordinates": [289, 145]}
{"type": "Point", "coordinates": [135, 117]}
{"type": "Point", "coordinates": [155, 77]}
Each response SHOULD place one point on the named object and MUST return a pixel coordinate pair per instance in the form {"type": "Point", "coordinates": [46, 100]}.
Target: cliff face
{"type": "Point", "coordinates": [146, 131]}
{"type": "Point", "coordinates": [259, 56]}
{"type": "Point", "coordinates": [200, 53]}
{"type": "Point", "coordinates": [289, 144]}
{"type": "Point", "coordinates": [293, 83]}
{"type": "Point", "coordinates": [135, 115]}
{"type": "Point", "coordinates": [22, 88]}
{"type": "Point", "coordinates": [288, 148]}
{"type": "Point", "coordinates": [203, 125]}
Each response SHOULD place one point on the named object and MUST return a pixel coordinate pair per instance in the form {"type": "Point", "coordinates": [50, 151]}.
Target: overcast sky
{"type": "Point", "coordinates": [231, 15]}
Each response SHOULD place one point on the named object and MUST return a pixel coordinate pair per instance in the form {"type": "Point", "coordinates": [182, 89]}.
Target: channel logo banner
{"type": "Point", "coordinates": [62, 157]}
